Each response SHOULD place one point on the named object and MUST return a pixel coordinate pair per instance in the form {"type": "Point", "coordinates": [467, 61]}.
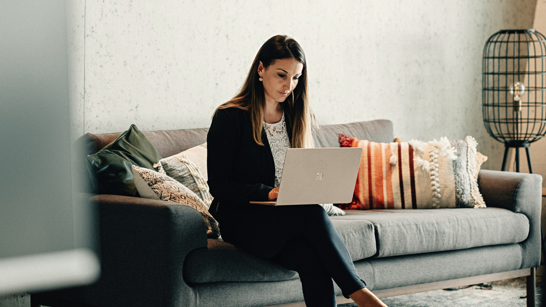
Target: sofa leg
{"type": "Point", "coordinates": [531, 288]}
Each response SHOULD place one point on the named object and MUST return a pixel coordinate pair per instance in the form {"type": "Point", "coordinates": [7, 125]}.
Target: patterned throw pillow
{"type": "Point", "coordinates": [151, 184]}
{"type": "Point", "coordinates": [190, 169]}
{"type": "Point", "coordinates": [415, 175]}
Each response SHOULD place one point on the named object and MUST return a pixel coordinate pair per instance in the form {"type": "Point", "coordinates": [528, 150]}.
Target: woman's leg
{"type": "Point", "coordinates": [318, 229]}
{"type": "Point", "coordinates": [265, 231]}
{"type": "Point", "coordinates": [330, 254]}
{"type": "Point", "coordinates": [318, 289]}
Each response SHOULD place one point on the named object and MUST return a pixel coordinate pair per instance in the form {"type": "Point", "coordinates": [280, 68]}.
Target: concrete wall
{"type": "Point", "coordinates": [167, 64]}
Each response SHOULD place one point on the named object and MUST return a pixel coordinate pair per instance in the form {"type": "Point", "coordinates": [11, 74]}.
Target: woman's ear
{"type": "Point", "coordinates": [261, 69]}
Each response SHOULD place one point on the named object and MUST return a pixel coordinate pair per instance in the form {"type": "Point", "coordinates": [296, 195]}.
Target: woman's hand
{"type": "Point", "coordinates": [273, 194]}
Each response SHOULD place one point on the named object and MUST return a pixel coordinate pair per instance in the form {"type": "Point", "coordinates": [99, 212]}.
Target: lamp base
{"type": "Point", "coordinates": [517, 145]}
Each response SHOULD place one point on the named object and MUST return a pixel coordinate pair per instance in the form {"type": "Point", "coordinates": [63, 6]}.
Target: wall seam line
{"type": "Point", "coordinates": [84, 64]}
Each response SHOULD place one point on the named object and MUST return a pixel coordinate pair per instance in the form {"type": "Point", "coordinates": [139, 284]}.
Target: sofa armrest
{"type": "Point", "coordinates": [520, 193]}
{"type": "Point", "coordinates": [143, 246]}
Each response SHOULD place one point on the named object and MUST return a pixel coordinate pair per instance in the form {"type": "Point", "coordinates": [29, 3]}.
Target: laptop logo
{"type": "Point", "coordinates": [319, 176]}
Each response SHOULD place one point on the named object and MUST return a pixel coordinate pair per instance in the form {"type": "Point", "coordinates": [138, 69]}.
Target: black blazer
{"type": "Point", "coordinates": [239, 170]}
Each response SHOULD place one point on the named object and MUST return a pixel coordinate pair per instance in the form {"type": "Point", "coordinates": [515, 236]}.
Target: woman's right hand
{"type": "Point", "coordinates": [273, 194]}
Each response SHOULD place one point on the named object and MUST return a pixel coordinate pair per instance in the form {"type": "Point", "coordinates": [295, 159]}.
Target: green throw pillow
{"type": "Point", "coordinates": [110, 168]}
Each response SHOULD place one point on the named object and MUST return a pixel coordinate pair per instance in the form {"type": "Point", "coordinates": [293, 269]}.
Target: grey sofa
{"type": "Point", "coordinates": [156, 254]}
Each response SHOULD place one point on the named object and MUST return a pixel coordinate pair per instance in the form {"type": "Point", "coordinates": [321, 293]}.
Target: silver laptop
{"type": "Point", "coordinates": [317, 176]}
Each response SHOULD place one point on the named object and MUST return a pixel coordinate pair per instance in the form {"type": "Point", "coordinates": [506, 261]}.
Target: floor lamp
{"type": "Point", "coordinates": [514, 89]}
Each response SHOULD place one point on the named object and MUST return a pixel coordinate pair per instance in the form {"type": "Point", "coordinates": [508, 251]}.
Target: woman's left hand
{"type": "Point", "coordinates": [273, 194]}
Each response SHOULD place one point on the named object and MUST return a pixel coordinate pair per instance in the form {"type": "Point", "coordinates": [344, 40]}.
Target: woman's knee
{"type": "Point", "coordinates": [317, 210]}
{"type": "Point", "coordinates": [301, 212]}
{"type": "Point", "coordinates": [317, 219]}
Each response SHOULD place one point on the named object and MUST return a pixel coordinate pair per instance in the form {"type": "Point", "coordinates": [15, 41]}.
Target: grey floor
{"type": "Point", "coordinates": [504, 293]}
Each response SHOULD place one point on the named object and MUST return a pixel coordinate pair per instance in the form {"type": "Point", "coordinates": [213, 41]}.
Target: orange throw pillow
{"type": "Point", "coordinates": [415, 175]}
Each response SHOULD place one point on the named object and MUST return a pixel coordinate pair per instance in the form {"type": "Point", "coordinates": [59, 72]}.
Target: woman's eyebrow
{"type": "Point", "coordinates": [287, 72]}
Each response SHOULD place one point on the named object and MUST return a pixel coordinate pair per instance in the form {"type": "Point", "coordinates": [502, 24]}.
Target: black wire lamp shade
{"type": "Point", "coordinates": [514, 89]}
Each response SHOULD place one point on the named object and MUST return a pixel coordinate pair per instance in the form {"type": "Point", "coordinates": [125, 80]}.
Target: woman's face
{"type": "Point", "coordinates": [280, 78]}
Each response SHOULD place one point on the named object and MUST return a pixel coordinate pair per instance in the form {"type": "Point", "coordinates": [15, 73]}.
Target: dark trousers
{"type": "Point", "coordinates": [300, 238]}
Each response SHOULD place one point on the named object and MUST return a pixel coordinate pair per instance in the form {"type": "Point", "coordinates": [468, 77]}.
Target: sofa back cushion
{"type": "Point", "coordinates": [171, 142]}
{"type": "Point", "coordinates": [167, 142]}
{"type": "Point", "coordinates": [379, 130]}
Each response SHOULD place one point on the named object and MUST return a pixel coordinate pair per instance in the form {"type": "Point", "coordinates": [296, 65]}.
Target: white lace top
{"type": "Point", "coordinates": [279, 142]}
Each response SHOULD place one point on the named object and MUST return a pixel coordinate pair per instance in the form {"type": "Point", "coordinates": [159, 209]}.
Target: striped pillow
{"type": "Point", "coordinates": [414, 175]}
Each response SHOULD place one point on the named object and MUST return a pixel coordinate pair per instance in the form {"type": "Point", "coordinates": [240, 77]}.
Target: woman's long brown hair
{"type": "Point", "coordinates": [296, 106]}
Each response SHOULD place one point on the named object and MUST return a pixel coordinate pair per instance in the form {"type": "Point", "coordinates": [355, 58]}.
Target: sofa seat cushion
{"type": "Point", "coordinates": [358, 236]}
{"type": "Point", "coordinates": [406, 232]}
{"type": "Point", "coordinates": [224, 262]}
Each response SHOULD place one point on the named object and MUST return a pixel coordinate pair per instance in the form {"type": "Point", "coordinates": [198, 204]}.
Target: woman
{"type": "Point", "coordinates": [247, 142]}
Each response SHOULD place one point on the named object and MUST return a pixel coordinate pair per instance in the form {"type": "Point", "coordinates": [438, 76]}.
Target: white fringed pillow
{"type": "Point", "coordinates": [332, 210]}
{"type": "Point", "coordinates": [416, 175]}
{"type": "Point", "coordinates": [466, 167]}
